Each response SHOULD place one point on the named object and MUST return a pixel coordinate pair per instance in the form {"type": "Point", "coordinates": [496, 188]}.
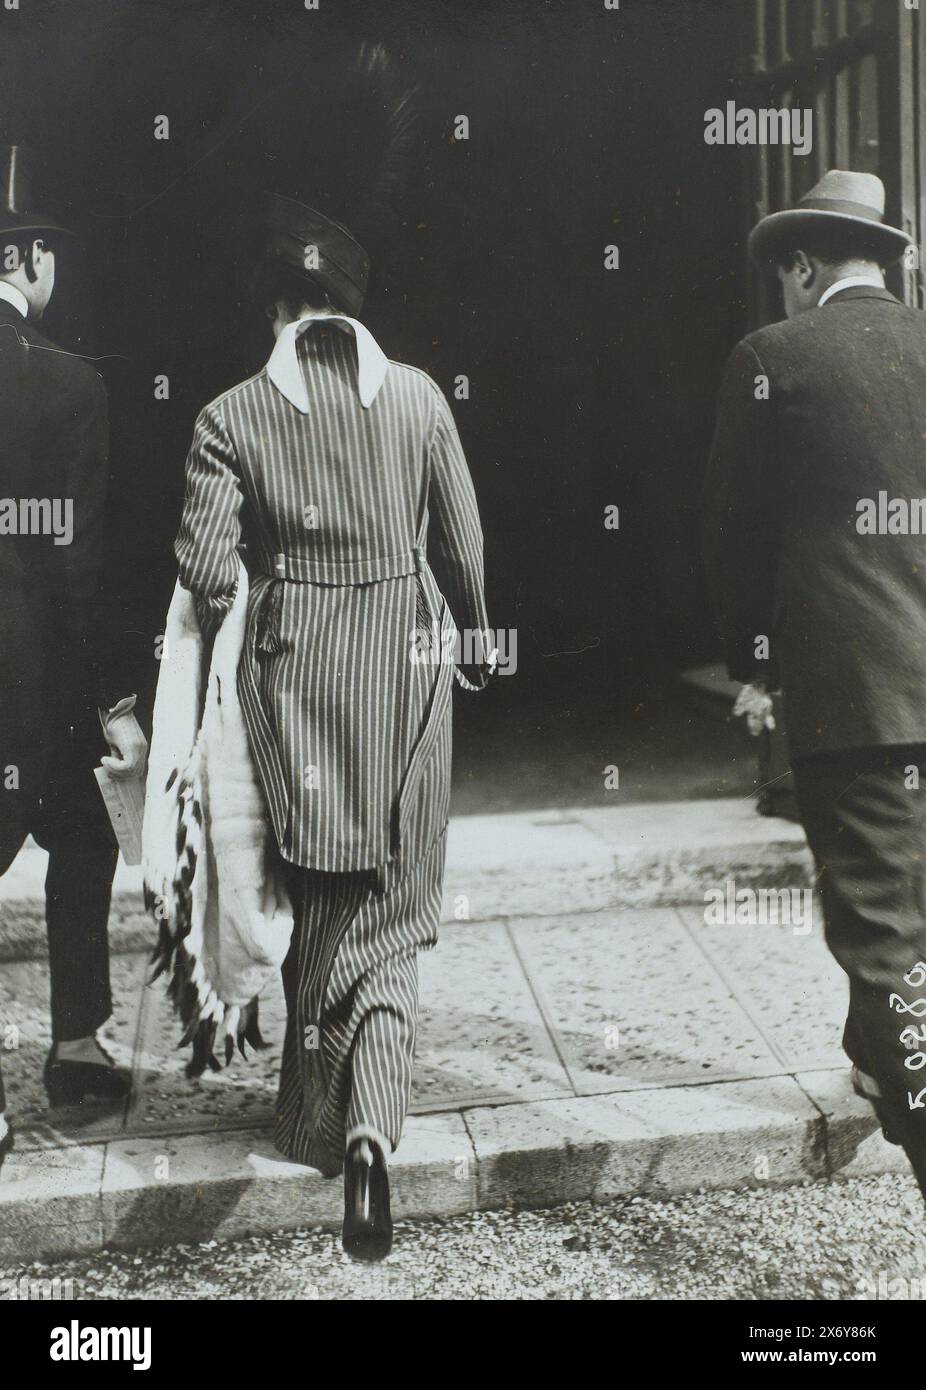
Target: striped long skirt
{"type": "Point", "coordinates": [351, 984]}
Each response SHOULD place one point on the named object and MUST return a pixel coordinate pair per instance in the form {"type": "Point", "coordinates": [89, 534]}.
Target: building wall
{"type": "Point", "coordinates": [589, 388]}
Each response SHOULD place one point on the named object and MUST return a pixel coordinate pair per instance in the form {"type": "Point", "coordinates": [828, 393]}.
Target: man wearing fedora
{"type": "Point", "coordinates": [63, 697]}
{"type": "Point", "coordinates": [817, 416]}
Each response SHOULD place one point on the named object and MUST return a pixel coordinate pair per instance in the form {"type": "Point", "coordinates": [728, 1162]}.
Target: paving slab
{"type": "Point", "coordinates": [668, 852]}
{"type": "Point", "coordinates": [24, 1009]}
{"type": "Point", "coordinates": [633, 1002]}
{"type": "Point", "coordinates": [243, 1092]}
{"type": "Point", "coordinates": [525, 866]}
{"type": "Point", "coordinates": [788, 983]}
{"type": "Point", "coordinates": [653, 1141]}
{"type": "Point", "coordinates": [714, 824]}
{"type": "Point", "coordinates": [481, 1035]}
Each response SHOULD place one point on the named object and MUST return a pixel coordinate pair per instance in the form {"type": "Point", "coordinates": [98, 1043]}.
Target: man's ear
{"type": "Point", "coordinates": [34, 260]}
{"type": "Point", "coordinates": [804, 267]}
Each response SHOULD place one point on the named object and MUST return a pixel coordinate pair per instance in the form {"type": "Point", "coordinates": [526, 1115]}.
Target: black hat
{"type": "Point", "coordinates": [842, 198]}
{"type": "Point", "coordinates": [295, 234]}
{"type": "Point", "coordinates": [17, 211]}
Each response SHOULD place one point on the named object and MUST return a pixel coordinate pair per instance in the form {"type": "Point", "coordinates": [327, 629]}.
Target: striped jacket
{"type": "Point", "coordinates": [347, 673]}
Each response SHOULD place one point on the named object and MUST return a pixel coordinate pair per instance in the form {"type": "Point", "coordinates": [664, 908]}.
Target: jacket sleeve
{"type": "Point", "coordinates": [740, 526]}
{"type": "Point", "coordinates": [83, 440]}
{"type": "Point", "coordinates": [456, 533]}
{"type": "Point", "coordinates": [210, 529]}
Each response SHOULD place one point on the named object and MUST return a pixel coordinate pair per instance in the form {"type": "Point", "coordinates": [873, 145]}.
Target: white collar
{"type": "Point", "coordinates": [15, 297]}
{"type": "Point", "coordinates": [284, 371]}
{"type": "Point", "coordinates": [849, 283]}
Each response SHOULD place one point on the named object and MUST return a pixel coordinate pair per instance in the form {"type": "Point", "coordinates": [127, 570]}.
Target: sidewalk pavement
{"type": "Point", "coordinates": [584, 1033]}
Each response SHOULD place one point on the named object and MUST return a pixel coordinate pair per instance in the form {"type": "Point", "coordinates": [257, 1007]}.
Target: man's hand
{"type": "Point", "coordinates": [755, 702]}
{"type": "Point", "coordinates": [128, 743]}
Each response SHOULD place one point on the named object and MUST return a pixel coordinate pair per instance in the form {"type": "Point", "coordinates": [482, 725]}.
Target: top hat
{"type": "Point", "coordinates": [841, 198]}
{"type": "Point", "coordinates": [17, 212]}
{"type": "Point", "coordinates": [339, 265]}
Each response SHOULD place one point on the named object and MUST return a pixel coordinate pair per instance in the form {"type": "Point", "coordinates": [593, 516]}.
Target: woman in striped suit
{"type": "Point", "coordinates": [328, 465]}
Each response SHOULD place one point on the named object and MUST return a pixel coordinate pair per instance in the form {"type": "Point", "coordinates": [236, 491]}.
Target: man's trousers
{"type": "Point", "coordinates": [864, 813]}
{"type": "Point", "coordinates": [69, 820]}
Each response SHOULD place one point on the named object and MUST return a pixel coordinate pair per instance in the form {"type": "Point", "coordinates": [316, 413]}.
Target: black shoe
{"type": "Point", "coordinates": [367, 1232]}
{"type": "Point", "coordinates": [6, 1144]}
{"type": "Point", "coordinates": [875, 1100]}
{"type": "Point", "coordinates": [68, 1083]}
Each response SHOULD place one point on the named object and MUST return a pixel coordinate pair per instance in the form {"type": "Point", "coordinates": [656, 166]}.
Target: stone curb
{"type": "Point", "coordinates": [143, 1192]}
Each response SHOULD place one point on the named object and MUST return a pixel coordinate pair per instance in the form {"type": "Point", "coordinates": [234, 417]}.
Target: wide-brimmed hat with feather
{"type": "Point", "coordinates": [318, 249]}
{"type": "Point", "coordinates": [338, 185]}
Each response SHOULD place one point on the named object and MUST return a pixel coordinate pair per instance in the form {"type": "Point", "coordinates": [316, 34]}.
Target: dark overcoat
{"type": "Point", "coordinates": [53, 667]}
{"type": "Point", "coordinates": [817, 416]}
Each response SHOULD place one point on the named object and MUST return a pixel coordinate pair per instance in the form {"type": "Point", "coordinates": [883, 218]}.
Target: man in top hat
{"type": "Point", "coordinates": [817, 417]}
{"type": "Point", "coordinates": [61, 696]}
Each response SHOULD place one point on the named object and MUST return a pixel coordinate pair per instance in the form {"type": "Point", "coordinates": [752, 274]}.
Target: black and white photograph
{"type": "Point", "coordinates": [462, 666]}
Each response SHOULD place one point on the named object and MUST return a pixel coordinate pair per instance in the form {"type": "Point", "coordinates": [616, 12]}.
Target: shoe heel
{"type": "Point", "coordinates": [366, 1234]}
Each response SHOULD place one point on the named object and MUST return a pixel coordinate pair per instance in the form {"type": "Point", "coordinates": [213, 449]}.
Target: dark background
{"type": "Point", "coordinates": [588, 387]}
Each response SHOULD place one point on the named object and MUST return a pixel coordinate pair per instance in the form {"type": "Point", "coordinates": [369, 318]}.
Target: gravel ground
{"type": "Point", "coordinates": [810, 1242]}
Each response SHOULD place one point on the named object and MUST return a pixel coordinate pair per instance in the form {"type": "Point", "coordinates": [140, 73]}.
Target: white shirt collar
{"type": "Point", "coordinates": [15, 297]}
{"type": "Point", "coordinates": [849, 283]}
{"type": "Point", "coordinates": [284, 371]}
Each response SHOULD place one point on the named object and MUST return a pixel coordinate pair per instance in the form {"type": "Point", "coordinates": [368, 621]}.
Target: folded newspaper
{"type": "Point", "coordinates": [124, 798]}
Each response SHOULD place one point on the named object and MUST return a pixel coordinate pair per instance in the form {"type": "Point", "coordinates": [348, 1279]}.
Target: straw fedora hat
{"type": "Point", "coordinates": [841, 198]}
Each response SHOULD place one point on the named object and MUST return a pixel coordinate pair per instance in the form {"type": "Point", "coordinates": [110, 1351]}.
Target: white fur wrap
{"type": "Point", "coordinates": [214, 881]}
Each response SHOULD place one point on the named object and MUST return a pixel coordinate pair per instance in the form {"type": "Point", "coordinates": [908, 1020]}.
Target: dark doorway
{"type": "Point", "coordinates": [590, 387]}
